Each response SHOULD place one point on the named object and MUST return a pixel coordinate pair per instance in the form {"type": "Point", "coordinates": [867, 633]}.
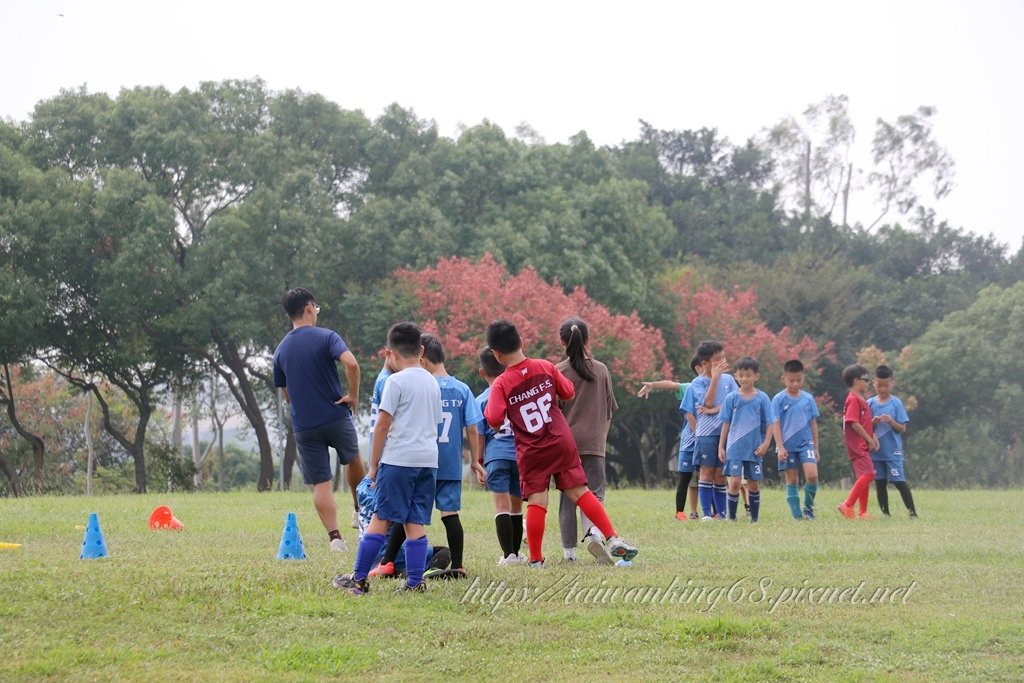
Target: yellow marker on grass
{"type": "Point", "coordinates": [9, 546]}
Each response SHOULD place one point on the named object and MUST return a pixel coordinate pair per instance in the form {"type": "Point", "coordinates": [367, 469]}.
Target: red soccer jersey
{"type": "Point", "coordinates": [856, 410]}
{"type": "Point", "coordinates": [527, 393]}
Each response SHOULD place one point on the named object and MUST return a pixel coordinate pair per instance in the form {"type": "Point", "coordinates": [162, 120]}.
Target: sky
{"type": "Point", "coordinates": [563, 67]}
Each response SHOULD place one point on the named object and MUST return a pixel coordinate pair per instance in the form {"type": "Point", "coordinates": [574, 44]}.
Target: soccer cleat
{"type": "Point", "coordinates": [681, 516]}
{"type": "Point", "coordinates": [420, 587]}
{"type": "Point", "coordinates": [383, 570]}
{"type": "Point", "coordinates": [618, 548]}
{"type": "Point", "coordinates": [597, 548]}
{"type": "Point", "coordinates": [453, 573]}
{"type": "Point", "coordinates": [338, 545]}
{"type": "Point", "coordinates": [694, 515]}
{"type": "Point", "coordinates": [864, 516]}
{"type": "Point", "coordinates": [536, 564]}
{"type": "Point", "coordinates": [809, 513]}
{"type": "Point", "coordinates": [845, 510]}
{"type": "Point", "coordinates": [348, 582]}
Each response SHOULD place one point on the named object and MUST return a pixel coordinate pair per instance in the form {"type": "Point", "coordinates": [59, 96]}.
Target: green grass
{"type": "Point", "coordinates": [213, 602]}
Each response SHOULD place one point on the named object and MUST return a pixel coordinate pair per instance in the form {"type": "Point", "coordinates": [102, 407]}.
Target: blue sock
{"type": "Point", "coordinates": [793, 498]}
{"type": "Point", "coordinates": [754, 497]}
{"type": "Point", "coordinates": [415, 560]}
{"type": "Point", "coordinates": [369, 546]}
{"type": "Point", "coordinates": [733, 502]}
{"type": "Point", "coordinates": [705, 494]}
{"type": "Point", "coordinates": [809, 492]}
{"type": "Point", "coordinates": [720, 498]}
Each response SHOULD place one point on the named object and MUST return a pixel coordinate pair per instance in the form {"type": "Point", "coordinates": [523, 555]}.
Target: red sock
{"type": "Point", "coordinates": [595, 511]}
{"type": "Point", "coordinates": [865, 489]}
{"type": "Point", "coordinates": [535, 515]}
{"type": "Point", "coordinates": [859, 491]}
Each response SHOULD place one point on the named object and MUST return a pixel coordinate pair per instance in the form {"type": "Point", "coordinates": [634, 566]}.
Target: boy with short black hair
{"type": "Point", "coordinates": [403, 462]}
{"type": "Point", "coordinates": [527, 393]}
{"type": "Point", "coordinates": [704, 399]}
{"type": "Point", "coordinates": [860, 440]}
{"type": "Point", "coordinates": [748, 425]}
{"type": "Point", "coordinates": [890, 422]}
{"type": "Point", "coordinates": [501, 474]}
{"type": "Point", "coordinates": [798, 414]}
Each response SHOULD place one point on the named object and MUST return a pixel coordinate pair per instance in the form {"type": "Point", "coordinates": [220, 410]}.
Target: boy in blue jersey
{"type": "Point", "coordinates": [403, 462]}
{"type": "Point", "coordinates": [704, 399]}
{"type": "Point", "coordinates": [684, 460]}
{"type": "Point", "coordinates": [890, 419]}
{"type": "Point", "coordinates": [796, 447]}
{"type": "Point", "coordinates": [748, 426]}
{"type": "Point", "coordinates": [500, 473]}
{"type": "Point", "coordinates": [305, 370]}
{"type": "Point", "coordinates": [460, 415]}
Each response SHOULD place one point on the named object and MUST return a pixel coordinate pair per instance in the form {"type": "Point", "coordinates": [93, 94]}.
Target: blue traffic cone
{"type": "Point", "coordinates": [291, 542]}
{"type": "Point", "coordinates": [93, 545]}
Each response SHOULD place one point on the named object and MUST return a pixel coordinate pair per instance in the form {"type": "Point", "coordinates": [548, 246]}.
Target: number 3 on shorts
{"type": "Point", "coordinates": [535, 414]}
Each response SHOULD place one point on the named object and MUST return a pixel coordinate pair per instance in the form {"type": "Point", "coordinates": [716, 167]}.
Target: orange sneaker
{"type": "Point", "coordinates": [845, 510]}
{"type": "Point", "coordinates": [681, 516]}
{"type": "Point", "coordinates": [864, 516]}
{"type": "Point", "coordinates": [382, 570]}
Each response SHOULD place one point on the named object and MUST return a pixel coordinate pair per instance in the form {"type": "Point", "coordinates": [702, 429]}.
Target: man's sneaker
{"type": "Point", "coordinates": [536, 564]}
{"type": "Point", "coordinates": [620, 549]}
{"type": "Point", "coordinates": [694, 515]}
{"type": "Point", "coordinates": [420, 587]}
{"type": "Point", "coordinates": [597, 548]}
{"type": "Point", "coordinates": [355, 519]}
{"type": "Point", "coordinates": [809, 513]}
{"type": "Point", "coordinates": [568, 554]}
{"type": "Point", "coordinates": [348, 582]}
{"type": "Point", "coordinates": [845, 510]}
{"type": "Point", "coordinates": [681, 516]}
{"type": "Point", "coordinates": [338, 545]}
{"type": "Point", "coordinates": [453, 573]}
{"type": "Point", "coordinates": [383, 570]}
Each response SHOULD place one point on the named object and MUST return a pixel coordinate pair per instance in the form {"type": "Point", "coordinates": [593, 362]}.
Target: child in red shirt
{"type": "Point", "coordinates": [860, 439]}
{"type": "Point", "coordinates": [528, 393]}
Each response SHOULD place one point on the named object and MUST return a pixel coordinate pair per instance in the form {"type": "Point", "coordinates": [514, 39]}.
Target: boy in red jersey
{"type": "Point", "coordinates": [528, 393]}
{"type": "Point", "coordinates": [860, 439]}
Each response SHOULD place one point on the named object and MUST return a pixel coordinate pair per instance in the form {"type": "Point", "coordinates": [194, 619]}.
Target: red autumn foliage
{"type": "Point", "coordinates": [458, 298]}
{"type": "Point", "coordinates": [731, 317]}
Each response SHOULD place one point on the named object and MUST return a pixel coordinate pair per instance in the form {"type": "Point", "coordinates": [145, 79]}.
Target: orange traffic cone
{"type": "Point", "coordinates": [163, 519]}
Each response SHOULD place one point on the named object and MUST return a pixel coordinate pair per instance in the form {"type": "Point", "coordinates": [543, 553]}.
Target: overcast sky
{"type": "Point", "coordinates": [563, 67]}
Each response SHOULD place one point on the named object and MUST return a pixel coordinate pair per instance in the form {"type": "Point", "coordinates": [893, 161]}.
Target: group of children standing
{"type": "Point", "coordinates": [519, 439]}
{"type": "Point", "coordinates": [730, 424]}
{"type": "Point", "coordinates": [537, 422]}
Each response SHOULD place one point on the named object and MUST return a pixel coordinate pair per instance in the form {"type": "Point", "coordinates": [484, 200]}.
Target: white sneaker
{"type": "Point", "coordinates": [617, 547]}
{"type": "Point", "coordinates": [596, 547]}
{"type": "Point", "coordinates": [538, 564]}
{"type": "Point", "coordinates": [707, 518]}
{"type": "Point", "coordinates": [338, 545]}
{"type": "Point", "coordinates": [355, 519]}
{"type": "Point", "coordinates": [569, 554]}
{"type": "Point", "coordinates": [508, 560]}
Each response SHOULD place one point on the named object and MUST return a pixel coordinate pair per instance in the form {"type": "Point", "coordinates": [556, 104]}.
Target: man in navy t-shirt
{"type": "Point", "coordinates": [304, 367]}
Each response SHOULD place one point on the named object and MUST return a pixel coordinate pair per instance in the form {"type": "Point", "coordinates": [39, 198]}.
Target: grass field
{"type": "Point", "coordinates": [213, 602]}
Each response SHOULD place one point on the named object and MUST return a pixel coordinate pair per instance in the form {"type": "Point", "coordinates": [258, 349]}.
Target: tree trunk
{"type": "Point", "coordinates": [90, 463]}
{"type": "Point", "coordinates": [290, 452]}
{"type": "Point", "coordinates": [241, 387]}
{"type": "Point", "coordinates": [12, 476]}
{"type": "Point", "coordinates": [36, 441]}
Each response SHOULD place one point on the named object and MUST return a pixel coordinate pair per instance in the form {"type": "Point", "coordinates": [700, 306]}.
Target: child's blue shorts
{"type": "Point", "coordinates": [795, 458]}
{"type": "Point", "coordinates": [503, 477]}
{"type": "Point", "coordinates": [405, 494]}
{"type": "Point", "coordinates": [889, 469]}
{"type": "Point", "coordinates": [448, 496]}
{"type": "Point", "coordinates": [747, 469]}
{"type": "Point", "coordinates": [705, 452]}
{"type": "Point", "coordinates": [685, 460]}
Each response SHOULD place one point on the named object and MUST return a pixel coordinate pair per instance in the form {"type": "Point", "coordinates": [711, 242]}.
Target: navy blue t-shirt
{"type": "Point", "coordinates": [304, 363]}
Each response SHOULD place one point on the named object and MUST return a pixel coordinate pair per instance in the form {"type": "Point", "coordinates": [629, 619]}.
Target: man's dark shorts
{"type": "Point", "coordinates": [313, 444]}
